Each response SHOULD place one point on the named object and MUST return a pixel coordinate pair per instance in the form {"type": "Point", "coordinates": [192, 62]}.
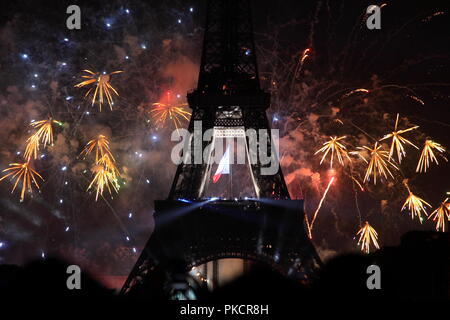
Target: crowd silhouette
{"type": "Point", "coordinates": [417, 269]}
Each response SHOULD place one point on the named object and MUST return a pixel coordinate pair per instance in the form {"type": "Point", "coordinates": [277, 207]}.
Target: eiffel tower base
{"type": "Point", "coordinates": [191, 233]}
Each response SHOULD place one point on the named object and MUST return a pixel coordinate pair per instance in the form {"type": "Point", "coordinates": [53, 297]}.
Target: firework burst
{"type": "Point", "coordinates": [104, 168]}
{"type": "Point", "coordinates": [161, 112]}
{"type": "Point", "coordinates": [441, 214]}
{"type": "Point", "coordinates": [334, 147]}
{"type": "Point", "coordinates": [101, 89]}
{"type": "Point", "coordinates": [367, 236]}
{"type": "Point", "coordinates": [107, 161]}
{"type": "Point", "coordinates": [427, 156]}
{"type": "Point", "coordinates": [378, 164]}
{"type": "Point", "coordinates": [103, 177]}
{"type": "Point", "coordinates": [101, 146]}
{"type": "Point", "coordinates": [45, 130]}
{"type": "Point", "coordinates": [22, 172]}
{"type": "Point", "coordinates": [32, 147]}
{"type": "Point", "coordinates": [398, 141]}
{"type": "Point", "coordinates": [416, 206]}
{"type": "Point", "coordinates": [44, 134]}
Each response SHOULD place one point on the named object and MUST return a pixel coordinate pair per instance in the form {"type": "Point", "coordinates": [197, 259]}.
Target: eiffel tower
{"type": "Point", "coordinates": [195, 225]}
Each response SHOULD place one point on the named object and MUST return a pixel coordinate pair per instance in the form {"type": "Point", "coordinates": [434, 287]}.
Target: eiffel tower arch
{"type": "Point", "coordinates": [199, 223]}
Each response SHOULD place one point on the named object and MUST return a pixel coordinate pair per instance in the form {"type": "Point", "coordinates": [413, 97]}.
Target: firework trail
{"type": "Point", "coordinates": [310, 225]}
{"type": "Point", "coordinates": [417, 99]}
{"type": "Point", "coordinates": [348, 94]}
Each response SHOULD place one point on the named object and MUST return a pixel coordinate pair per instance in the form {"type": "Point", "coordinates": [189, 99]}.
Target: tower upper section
{"type": "Point", "coordinates": [228, 71]}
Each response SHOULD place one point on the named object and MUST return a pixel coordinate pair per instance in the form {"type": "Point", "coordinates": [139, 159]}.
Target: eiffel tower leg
{"type": "Point", "coordinates": [271, 185]}
{"type": "Point", "coordinates": [189, 176]}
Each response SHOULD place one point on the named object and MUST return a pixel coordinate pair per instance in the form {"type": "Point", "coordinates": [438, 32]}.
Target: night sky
{"type": "Point", "coordinates": [404, 68]}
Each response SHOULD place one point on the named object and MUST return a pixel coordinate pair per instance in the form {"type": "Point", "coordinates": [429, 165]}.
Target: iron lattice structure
{"type": "Point", "coordinates": [228, 94]}
{"type": "Point", "coordinates": [196, 230]}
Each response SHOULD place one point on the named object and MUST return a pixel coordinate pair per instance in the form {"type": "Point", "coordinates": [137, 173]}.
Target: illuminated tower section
{"type": "Point", "coordinates": [227, 209]}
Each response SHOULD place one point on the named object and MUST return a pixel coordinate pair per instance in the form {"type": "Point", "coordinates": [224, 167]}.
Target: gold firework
{"type": "Point", "coordinates": [101, 89]}
{"type": "Point", "coordinates": [101, 146]}
{"type": "Point", "coordinates": [358, 183]}
{"type": "Point", "coordinates": [22, 172]}
{"type": "Point", "coordinates": [104, 169]}
{"type": "Point", "coordinates": [440, 215]}
{"type": "Point", "coordinates": [354, 91]}
{"type": "Point", "coordinates": [44, 134]}
{"type": "Point", "coordinates": [103, 178]}
{"type": "Point", "coordinates": [427, 156]}
{"type": "Point", "coordinates": [359, 153]}
{"type": "Point", "coordinates": [336, 148]}
{"type": "Point", "coordinates": [305, 54]}
{"type": "Point", "coordinates": [416, 206]}
{"type": "Point", "coordinates": [398, 141]}
{"type": "Point", "coordinates": [378, 164]}
{"type": "Point", "coordinates": [368, 236]}
{"type": "Point", "coordinates": [45, 130]}
{"type": "Point", "coordinates": [162, 112]}
{"type": "Point", "coordinates": [108, 163]}
{"type": "Point", "coordinates": [32, 147]}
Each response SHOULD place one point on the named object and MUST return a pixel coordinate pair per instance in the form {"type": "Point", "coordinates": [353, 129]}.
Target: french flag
{"type": "Point", "coordinates": [224, 166]}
